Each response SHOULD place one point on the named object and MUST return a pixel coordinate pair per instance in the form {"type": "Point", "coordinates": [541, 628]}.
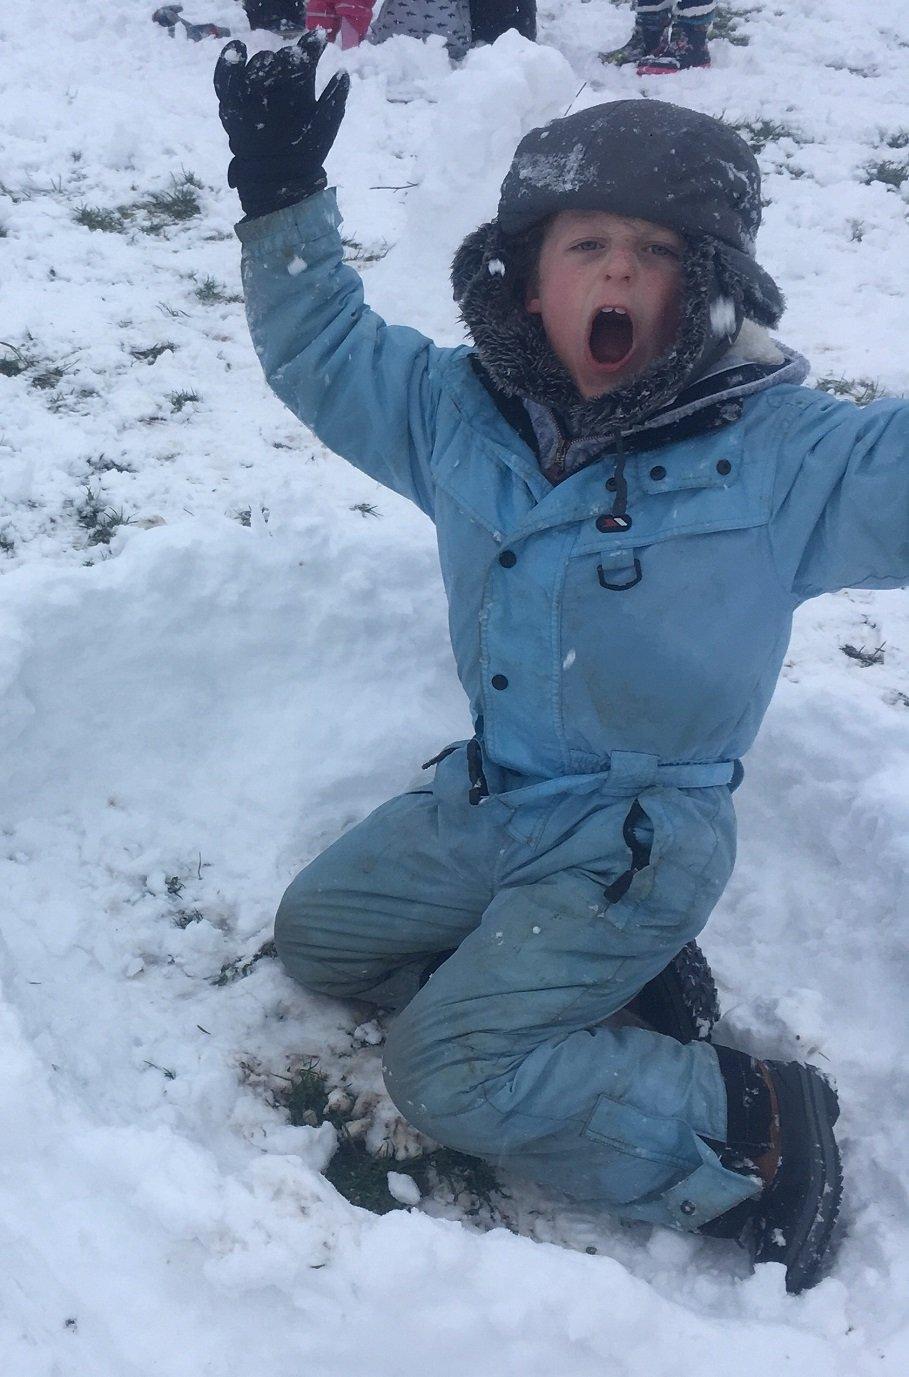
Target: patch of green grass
{"type": "Point", "coordinates": [899, 139]}
{"type": "Point", "coordinates": [306, 1099]}
{"type": "Point", "coordinates": [47, 377]}
{"type": "Point", "coordinates": [212, 292]}
{"type": "Point", "coordinates": [363, 1179]}
{"type": "Point", "coordinates": [105, 220]}
{"type": "Point", "coordinates": [102, 463]}
{"type": "Point", "coordinates": [356, 253]}
{"type": "Point", "coordinates": [244, 516]}
{"type": "Point", "coordinates": [888, 173]}
{"type": "Point", "coordinates": [75, 401]}
{"type": "Point", "coordinates": [153, 352]}
{"type": "Point", "coordinates": [865, 657]}
{"type": "Point", "coordinates": [725, 24]}
{"type": "Point", "coordinates": [859, 390]}
{"type": "Point", "coordinates": [152, 213]}
{"type": "Point", "coordinates": [179, 400]}
{"type": "Point", "coordinates": [99, 520]}
{"type": "Point", "coordinates": [15, 194]}
{"type": "Point", "coordinates": [13, 360]}
{"type": "Point", "coordinates": [758, 133]}
{"type": "Point", "coordinates": [44, 374]}
{"type": "Point", "coordinates": [236, 970]}
{"type": "Point", "coordinates": [172, 207]}
{"type": "Point", "coordinates": [7, 544]}
{"type": "Point", "coordinates": [182, 916]}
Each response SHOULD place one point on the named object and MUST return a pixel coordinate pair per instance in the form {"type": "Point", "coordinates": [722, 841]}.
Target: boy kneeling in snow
{"type": "Point", "coordinates": [632, 493]}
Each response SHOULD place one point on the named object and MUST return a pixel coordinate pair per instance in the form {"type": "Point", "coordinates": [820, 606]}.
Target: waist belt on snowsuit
{"type": "Point", "coordinates": [628, 772]}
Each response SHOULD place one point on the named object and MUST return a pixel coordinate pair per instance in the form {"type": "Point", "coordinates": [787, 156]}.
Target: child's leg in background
{"type": "Point", "coordinates": [322, 14]}
{"type": "Point", "coordinates": [686, 47]}
{"type": "Point", "coordinates": [652, 19]}
{"type": "Point", "coordinates": [355, 17]}
{"type": "Point", "coordinates": [448, 18]}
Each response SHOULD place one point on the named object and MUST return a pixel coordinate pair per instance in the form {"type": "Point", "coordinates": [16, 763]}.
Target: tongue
{"type": "Point", "coordinates": [611, 337]}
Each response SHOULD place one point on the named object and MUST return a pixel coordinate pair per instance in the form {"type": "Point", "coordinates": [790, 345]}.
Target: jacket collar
{"type": "Point", "coordinates": [752, 364]}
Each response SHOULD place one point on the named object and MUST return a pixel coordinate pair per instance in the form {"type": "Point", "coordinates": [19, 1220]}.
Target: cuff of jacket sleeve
{"type": "Point", "coordinates": [307, 220]}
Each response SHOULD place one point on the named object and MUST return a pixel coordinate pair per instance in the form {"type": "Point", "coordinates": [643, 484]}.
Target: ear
{"type": "Point", "coordinates": [532, 304]}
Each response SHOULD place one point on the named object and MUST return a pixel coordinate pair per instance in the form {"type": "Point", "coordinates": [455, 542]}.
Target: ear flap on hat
{"type": "Point", "coordinates": [762, 301]}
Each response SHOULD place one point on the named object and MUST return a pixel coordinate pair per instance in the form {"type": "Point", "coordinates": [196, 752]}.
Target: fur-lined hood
{"type": "Point", "coordinates": [488, 277]}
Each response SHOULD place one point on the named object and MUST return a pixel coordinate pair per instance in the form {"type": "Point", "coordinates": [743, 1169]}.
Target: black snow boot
{"type": "Point", "coordinates": [781, 1120]}
{"type": "Point", "coordinates": [648, 32]}
{"type": "Point", "coordinates": [684, 49]}
{"type": "Point", "coordinates": [280, 16]}
{"type": "Point", "coordinates": [681, 1002]}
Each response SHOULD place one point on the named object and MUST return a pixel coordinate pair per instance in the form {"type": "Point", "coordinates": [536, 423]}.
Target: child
{"type": "Point", "coordinates": [632, 493]}
{"type": "Point", "coordinates": [661, 45]}
{"type": "Point", "coordinates": [424, 18]}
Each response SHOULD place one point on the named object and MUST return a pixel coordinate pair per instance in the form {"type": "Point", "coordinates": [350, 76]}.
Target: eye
{"type": "Point", "coordinates": [586, 245]}
{"type": "Point", "coordinates": [663, 251]}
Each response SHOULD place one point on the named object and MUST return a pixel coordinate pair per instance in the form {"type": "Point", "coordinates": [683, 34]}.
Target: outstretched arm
{"type": "Point", "coordinates": [842, 501]}
{"type": "Point", "coordinates": [368, 390]}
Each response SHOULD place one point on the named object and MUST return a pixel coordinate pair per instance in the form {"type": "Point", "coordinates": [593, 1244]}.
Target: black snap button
{"type": "Point", "coordinates": [724, 466]}
{"type": "Point", "coordinates": [657, 472]}
{"type": "Point", "coordinates": [508, 559]}
{"type": "Point", "coordinates": [611, 484]}
{"type": "Point", "coordinates": [687, 1207]}
{"type": "Point", "coordinates": [499, 681]}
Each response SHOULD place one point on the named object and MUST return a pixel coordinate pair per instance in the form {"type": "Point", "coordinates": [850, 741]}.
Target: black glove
{"type": "Point", "coordinates": [279, 133]}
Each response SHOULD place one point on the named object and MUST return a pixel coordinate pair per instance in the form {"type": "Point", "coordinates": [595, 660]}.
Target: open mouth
{"type": "Point", "coordinates": [611, 336]}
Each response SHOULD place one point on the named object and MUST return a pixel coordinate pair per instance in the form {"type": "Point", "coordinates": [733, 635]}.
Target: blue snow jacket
{"type": "Point", "coordinates": [641, 656]}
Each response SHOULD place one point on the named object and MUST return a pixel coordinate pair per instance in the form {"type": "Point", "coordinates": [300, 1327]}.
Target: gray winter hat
{"type": "Point", "coordinates": [651, 161]}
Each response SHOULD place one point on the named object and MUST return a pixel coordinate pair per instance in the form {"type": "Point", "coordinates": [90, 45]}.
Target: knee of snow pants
{"type": "Point", "coordinates": [320, 950]}
{"type": "Point", "coordinates": [300, 943]}
{"type": "Point", "coordinates": [370, 916]}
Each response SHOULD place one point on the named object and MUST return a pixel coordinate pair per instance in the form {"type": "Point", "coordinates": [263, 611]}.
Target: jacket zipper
{"type": "Point", "coordinates": [557, 463]}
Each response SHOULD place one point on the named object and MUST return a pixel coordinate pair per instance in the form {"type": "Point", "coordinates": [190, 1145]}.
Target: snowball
{"type": "Point", "coordinates": [403, 1188]}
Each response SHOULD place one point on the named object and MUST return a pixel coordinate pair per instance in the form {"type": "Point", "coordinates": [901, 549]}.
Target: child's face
{"type": "Point", "coordinates": [591, 263]}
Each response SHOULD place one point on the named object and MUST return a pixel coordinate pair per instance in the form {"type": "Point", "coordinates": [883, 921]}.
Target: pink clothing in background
{"type": "Point", "coordinates": [350, 18]}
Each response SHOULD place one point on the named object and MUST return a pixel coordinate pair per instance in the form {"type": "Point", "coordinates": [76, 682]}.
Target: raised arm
{"type": "Point", "coordinates": [368, 390]}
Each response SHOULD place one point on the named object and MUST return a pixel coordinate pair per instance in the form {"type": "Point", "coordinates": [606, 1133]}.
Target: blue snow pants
{"type": "Point", "coordinates": [501, 1051]}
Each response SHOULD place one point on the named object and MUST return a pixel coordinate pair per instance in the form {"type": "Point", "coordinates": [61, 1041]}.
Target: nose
{"type": "Point", "coordinates": [619, 262]}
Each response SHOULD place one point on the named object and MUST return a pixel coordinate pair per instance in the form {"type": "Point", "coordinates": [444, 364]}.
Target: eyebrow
{"type": "Point", "coordinates": [642, 228]}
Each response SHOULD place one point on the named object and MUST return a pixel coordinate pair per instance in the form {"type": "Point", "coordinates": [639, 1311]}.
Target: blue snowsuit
{"type": "Point", "coordinates": [603, 666]}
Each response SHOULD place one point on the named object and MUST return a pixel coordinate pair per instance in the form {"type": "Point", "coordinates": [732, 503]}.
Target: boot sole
{"type": "Point", "coordinates": [809, 1241]}
{"type": "Point", "coordinates": [671, 71]}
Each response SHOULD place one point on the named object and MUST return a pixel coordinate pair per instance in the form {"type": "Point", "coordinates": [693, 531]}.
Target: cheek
{"type": "Point", "coordinates": [670, 311]}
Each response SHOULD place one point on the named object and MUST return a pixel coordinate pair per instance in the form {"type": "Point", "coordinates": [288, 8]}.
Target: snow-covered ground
{"type": "Point", "coordinates": [219, 646]}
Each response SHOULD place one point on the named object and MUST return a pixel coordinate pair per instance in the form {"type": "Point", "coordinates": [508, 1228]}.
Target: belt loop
{"type": "Point", "coordinates": [633, 770]}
